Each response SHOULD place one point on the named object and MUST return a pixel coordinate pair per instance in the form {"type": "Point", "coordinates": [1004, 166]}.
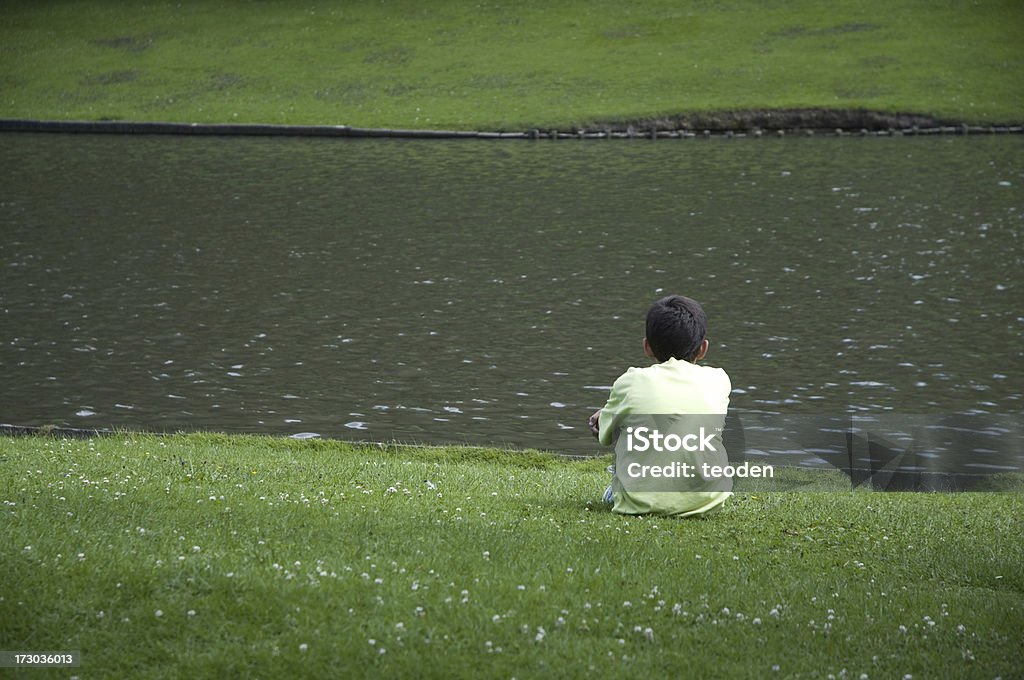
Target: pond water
{"type": "Point", "coordinates": [490, 292]}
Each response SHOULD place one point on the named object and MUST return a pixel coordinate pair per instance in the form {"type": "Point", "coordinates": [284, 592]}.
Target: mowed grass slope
{"type": "Point", "coordinates": [504, 65]}
{"type": "Point", "coordinates": [215, 556]}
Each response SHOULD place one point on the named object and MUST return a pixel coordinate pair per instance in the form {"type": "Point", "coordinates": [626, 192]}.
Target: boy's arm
{"type": "Point", "coordinates": [608, 418]}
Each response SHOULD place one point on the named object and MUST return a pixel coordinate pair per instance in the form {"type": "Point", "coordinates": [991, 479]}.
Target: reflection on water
{"type": "Point", "coordinates": [491, 292]}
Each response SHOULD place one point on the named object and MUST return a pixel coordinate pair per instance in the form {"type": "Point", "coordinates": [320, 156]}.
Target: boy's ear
{"type": "Point", "coordinates": [703, 349]}
{"type": "Point", "coordinates": [648, 352]}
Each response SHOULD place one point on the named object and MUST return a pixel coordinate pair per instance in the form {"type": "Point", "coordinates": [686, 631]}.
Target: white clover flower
{"type": "Point", "coordinates": [303, 647]}
{"type": "Point", "coordinates": [158, 613]}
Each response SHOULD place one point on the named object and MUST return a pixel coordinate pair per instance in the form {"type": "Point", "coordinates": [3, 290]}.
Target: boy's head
{"type": "Point", "coordinates": [676, 327]}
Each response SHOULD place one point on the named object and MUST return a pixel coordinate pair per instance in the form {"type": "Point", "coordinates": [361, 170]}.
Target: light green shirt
{"type": "Point", "coordinates": [674, 387]}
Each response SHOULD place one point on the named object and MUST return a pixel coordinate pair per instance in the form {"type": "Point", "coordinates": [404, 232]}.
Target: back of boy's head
{"type": "Point", "coordinates": [676, 326]}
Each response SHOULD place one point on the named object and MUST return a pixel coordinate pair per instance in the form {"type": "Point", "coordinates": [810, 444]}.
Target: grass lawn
{"type": "Point", "coordinates": [217, 556]}
{"type": "Point", "coordinates": [505, 65]}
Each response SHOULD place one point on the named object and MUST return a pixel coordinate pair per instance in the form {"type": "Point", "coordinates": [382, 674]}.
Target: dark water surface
{"type": "Point", "coordinates": [490, 292]}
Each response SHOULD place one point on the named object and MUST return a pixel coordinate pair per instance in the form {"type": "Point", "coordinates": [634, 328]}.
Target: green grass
{"type": "Point", "coordinates": [216, 556]}
{"type": "Point", "coordinates": [472, 65]}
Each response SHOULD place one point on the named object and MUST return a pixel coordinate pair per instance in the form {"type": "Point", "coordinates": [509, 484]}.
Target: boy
{"type": "Point", "coordinates": [666, 420]}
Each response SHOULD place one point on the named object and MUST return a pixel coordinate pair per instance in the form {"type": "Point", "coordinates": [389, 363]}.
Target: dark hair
{"type": "Point", "coordinates": [676, 326]}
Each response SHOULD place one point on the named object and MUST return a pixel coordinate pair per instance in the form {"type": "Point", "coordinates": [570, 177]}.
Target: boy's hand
{"type": "Point", "coordinates": [594, 422]}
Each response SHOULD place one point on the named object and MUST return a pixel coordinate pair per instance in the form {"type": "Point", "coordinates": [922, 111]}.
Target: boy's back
{"type": "Point", "coordinates": [673, 386]}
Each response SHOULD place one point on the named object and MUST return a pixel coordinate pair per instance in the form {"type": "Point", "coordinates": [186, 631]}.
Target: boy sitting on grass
{"type": "Point", "coordinates": [666, 420]}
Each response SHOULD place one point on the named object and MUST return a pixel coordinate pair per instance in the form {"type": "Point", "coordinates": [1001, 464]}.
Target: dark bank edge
{"type": "Point", "coordinates": [748, 124]}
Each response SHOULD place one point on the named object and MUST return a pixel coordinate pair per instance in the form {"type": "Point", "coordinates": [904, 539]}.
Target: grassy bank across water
{"type": "Point", "coordinates": [508, 66]}
{"type": "Point", "coordinates": [214, 556]}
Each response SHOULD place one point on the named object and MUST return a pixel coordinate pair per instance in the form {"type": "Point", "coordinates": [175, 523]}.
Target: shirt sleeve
{"type": "Point", "coordinates": [614, 409]}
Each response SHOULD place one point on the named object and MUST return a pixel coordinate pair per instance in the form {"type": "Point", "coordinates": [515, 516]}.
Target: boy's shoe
{"type": "Point", "coordinates": [608, 497]}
